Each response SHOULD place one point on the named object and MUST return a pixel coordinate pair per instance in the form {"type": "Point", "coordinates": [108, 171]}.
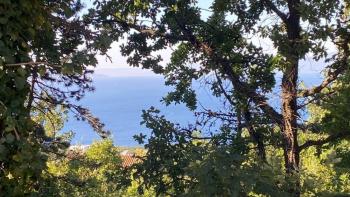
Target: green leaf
{"type": "Point", "coordinates": [2, 150]}
{"type": "Point", "coordinates": [21, 71]}
{"type": "Point", "coordinates": [20, 82]}
{"type": "Point", "coordinates": [3, 20]}
{"type": "Point", "coordinates": [10, 138]}
{"type": "Point", "coordinates": [42, 70]}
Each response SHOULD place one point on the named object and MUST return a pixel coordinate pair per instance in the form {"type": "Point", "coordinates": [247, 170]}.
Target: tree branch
{"type": "Point", "coordinates": [26, 63]}
{"type": "Point", "coordinates": [256, 136]}
{"type": "Point", "coordinates": [240, 86]}
{"type": "Point", "coordinates": [32, 89]}
{"type": "Point", "coordinates": [273, 7]}
{"type": "Point", "coordinates": [143, 29]}
{"type": "Point", "coordinates": [188, 36]}
{"type": "Point", "coordinates": [332, 76]}
{"type": "Point", "coordinates": [32, 64]}
{"type": "Point", "coordinates": [223, 89]}
{"type": "Point", "coordinates": [325, 95]}
{"type": "Point", "coordinates": [320, 142]}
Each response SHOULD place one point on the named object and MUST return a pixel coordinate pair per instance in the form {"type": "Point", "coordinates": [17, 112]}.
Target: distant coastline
{"type": "Point", "coordinates": [119, 101]}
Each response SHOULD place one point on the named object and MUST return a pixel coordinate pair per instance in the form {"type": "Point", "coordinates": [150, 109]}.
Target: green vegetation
{"type": "Point", "coordinates": [91, 172]}
{"type": "Point", "coordinates": [40, 52]}
{"type": "Point", "coordinates": [47, 50]}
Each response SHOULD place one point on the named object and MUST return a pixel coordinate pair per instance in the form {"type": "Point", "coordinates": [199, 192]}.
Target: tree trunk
{"type": "Point", "coordinates": [290, 133]}
{"type": "Point", "coordinates": [289, 97]}
{"type": "Point", "coordinates": [290, 114]}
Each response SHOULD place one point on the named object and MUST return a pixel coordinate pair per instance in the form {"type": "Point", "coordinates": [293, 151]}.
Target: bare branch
{"type": "Point", "coordinates": [32, 64]}
{"type": "Point", "coordinates": [26, 63]}
{"type": "Point", "coordinates": [223, 90]}
{"type": "Point", "coordinates": [32, 89]}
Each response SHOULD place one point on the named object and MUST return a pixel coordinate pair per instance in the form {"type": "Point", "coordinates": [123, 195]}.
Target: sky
{"type": "Point", "coordinates": [119, 67]}
{"type": "Point", "coordinates": [104, 103]}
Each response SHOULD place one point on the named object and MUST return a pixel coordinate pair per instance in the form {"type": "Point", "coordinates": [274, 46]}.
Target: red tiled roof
{"type": "Point", "coordinates": [128, 160]}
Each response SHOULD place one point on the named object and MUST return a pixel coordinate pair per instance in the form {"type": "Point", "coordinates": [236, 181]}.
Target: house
{"type": "Point", "coordinates": [128, 158]}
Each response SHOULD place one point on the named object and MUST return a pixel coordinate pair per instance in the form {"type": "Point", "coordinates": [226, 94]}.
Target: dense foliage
{"type": "Point", "coordinates": [45, 55]}
{"type": "Point", "coordinates": [91, 172]}
{"type": "Point", "coordinates": [198, 166]}
{"type": "Point", "coordinates": [248, 147]}
{"type": "Point", "coordinates": [220, 45]}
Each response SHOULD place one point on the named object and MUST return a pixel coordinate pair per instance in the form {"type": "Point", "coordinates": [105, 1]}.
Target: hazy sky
{"type": "Point", "coordinates": [119, 67]}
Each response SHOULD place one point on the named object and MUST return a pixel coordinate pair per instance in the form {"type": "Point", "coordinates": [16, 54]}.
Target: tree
{"type": "Point", "coordinates": [45, 54]}
{"type": "Point", "coordinates": [93, 172]}
{"type": "Point", "coordinates": [96, 170]}
{"type": "Point", "coordinates": [222, 48]}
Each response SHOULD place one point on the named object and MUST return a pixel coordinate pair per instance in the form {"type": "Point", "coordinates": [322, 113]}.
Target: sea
{"type": "Point", "coordinates": [118, 102]}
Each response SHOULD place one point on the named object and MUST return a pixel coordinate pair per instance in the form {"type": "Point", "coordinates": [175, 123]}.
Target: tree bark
{"type": "Point", "coordinates": [290, 114]}
{"type": "Point", "coordinates": [290, 133]}
{"type": "Point", "coordinates": [289, 97]}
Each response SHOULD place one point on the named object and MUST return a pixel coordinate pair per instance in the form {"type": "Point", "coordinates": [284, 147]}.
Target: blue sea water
{"type": "Point", "coordinates": [119, 101]}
